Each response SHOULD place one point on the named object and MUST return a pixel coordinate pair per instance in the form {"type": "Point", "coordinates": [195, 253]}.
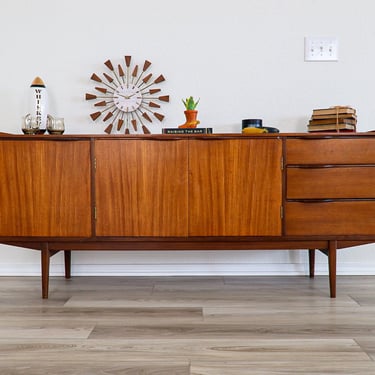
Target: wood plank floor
{"type": "Point", "coordinates": [187, 325]}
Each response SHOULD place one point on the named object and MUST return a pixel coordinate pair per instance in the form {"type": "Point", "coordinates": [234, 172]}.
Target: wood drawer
{"type": "Point", "coordinates": [330, 218]}
{"type": "Point", "coordinates": [330, 182]}
{"type": "Point", "coordinates": [330, 151]}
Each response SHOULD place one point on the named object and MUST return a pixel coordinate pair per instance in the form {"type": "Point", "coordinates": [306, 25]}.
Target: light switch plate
{"type": "Point", "coordinates": [321, 49]}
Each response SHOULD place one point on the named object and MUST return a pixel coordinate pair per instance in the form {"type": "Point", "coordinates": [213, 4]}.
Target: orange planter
{"type": "Point", "coordinates": [191, 119]}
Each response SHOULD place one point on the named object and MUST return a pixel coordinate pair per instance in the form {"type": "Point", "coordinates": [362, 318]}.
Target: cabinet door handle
{"type": "Point", "coordinates": [311, 201]}
{"type": "Point", "coordinates": [315, 166]}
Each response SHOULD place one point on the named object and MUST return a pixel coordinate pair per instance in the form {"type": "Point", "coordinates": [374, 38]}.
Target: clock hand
{"type": "Point", "coordinates": [135, 93]}
{"type": "Point", "coordinates": [124, 96]}
{"type": "Point", "coordinates": [127, 96]}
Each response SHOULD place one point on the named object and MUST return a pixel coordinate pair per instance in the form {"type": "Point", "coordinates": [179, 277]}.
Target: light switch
{"type": "Point", "coordinates": [321, 49]}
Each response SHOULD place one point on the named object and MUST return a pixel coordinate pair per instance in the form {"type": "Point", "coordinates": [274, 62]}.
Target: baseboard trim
{"type": "Point", "coordinates": [258, 269]}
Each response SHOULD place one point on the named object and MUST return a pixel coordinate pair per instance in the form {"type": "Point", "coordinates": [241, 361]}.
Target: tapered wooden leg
{"type": "Point", "coordinates": [68, 262]}
{"type": "Point", "coordinates": [332, 253]}
{"type": "Point", "coordinates": [45, 260]}
{"type": "Point", "coordinates": [312, 262]}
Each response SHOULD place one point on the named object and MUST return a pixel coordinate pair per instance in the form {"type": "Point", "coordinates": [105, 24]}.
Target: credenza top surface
{"type": "Point", "coordinates": [65, 137]}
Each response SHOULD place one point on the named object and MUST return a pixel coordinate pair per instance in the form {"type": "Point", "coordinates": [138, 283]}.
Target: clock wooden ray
{"type": "Point", "coordinates": [127, 97]}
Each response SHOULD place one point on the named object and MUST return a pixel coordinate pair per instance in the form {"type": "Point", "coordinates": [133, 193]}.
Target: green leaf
{"type": "Point", "coordinates": [190, 104]}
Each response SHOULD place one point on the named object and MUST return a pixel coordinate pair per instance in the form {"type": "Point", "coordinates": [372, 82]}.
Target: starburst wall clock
{"type": "Point", "coordinates": [128, 98]}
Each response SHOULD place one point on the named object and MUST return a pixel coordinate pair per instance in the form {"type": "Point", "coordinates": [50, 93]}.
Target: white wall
{"type": "Point", "coordinates": [243, 58]}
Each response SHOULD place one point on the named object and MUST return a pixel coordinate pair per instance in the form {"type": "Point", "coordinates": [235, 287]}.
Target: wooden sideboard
{"type": "Point", "coordinates": [196, 192]}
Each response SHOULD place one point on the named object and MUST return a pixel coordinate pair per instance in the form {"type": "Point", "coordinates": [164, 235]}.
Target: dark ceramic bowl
{"type": "Point", "coordinates": [251, 123]}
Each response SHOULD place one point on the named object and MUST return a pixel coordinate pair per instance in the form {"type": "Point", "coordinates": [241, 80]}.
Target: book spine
{"type": "Point", "coordinates": [187, 131]}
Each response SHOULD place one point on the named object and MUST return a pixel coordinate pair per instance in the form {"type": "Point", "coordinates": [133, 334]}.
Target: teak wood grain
{"type": "Point", "coordinates": [141, 188]}
{"type": "Point", "coordinates": [235, 187]}
{"type": "Point", "coordinates": [45, 188]}
{"type": "Point", "coordinates": [329, 182]}
{"type": "Point", "coordinates": [349, 218]}
{"type": "Point", "coordinates": [330, 150]}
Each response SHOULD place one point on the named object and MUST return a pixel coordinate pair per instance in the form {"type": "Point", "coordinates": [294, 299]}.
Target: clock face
{"type": "Point", "coordinates": [128, 98]}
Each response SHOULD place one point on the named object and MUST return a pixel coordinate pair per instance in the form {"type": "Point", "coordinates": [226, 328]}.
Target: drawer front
{"type": "Point", "coordinates": [330, 182]}
{"type": "Point", "coordinates": [330, 218]}
{"type": "Point", "coordinates": [330, 151]}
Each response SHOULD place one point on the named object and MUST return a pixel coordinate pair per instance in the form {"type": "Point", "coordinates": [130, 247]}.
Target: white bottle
{"type": "Point", "coordinates": [38, 102]}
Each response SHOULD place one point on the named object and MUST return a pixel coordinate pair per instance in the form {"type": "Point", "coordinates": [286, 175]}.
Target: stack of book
{"type": "Point", "coordinates": [339, 118]}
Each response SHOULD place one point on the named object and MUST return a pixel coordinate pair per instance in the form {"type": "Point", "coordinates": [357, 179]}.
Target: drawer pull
{"type": "Point", "coordinates": [313, 200]}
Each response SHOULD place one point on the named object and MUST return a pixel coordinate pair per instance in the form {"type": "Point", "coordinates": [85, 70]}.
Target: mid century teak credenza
{"type": "Point", "coordinates": [195, 192]}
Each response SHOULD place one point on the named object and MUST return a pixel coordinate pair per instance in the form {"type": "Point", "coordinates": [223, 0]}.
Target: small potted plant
{"type": "Point", "coordinates": [190, 113]}
{"type": "Point", "coordinates": [190, 104]}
